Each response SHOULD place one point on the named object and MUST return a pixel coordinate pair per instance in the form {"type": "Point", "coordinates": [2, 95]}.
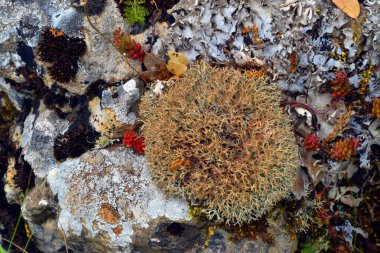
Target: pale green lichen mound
{"type": "Point", "coordinates": [222, 141]}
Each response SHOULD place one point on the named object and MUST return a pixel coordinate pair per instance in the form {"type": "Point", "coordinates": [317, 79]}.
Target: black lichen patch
{"type": "Point", "coordinates": [175, 228]}
{"type": "Point", "coordinates": [55, 98]}
{"type": "Point", "coordinates": [79, 138]}
{"type": "Point", "coordinates": [62, 52]}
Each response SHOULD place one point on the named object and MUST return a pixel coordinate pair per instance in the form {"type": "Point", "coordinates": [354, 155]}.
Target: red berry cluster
{"type": "Point", "coordinates": [340, 85]}
{"type": "Point", "coordinates": [343, 149]}
{"type": "Point", "coordinates": [127, 45]}
{"type": "Point", "coordinates": [131, 140]}
{"type": "Point", "coordinates": [311, 142]}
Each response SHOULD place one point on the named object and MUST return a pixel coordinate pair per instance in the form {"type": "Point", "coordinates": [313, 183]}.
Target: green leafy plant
{"type": "Point", "coordinates": [135, 12]}
{"type": "Point", "coordinates": [2, 250]}
{"type": "Point", "coordinates": [318, 245]}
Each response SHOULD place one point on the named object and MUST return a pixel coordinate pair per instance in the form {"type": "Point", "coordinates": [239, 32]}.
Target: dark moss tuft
{"type": "Point", "coordinates": [62, 52]}
{"type": "Point", "coordinates": [96, 88]}
{"type": "Point", "coordinates": [79, 138]}
{"type": "Point", "coordinates": [55, 98]}
{"type": "Point", "coordinates": [23, 169]}
{"type": "Point", "coordinates": [33, 84]}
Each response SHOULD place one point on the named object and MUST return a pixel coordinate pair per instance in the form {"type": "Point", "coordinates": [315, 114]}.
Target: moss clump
{"type": "Point", "coordinates": [222, 141]}
{"type": "Point", "coordinates": [63, 52]}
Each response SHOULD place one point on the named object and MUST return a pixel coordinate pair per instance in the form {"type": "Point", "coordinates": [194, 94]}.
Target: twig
{"type": "Point", "coordinates": [11, 243]}
{"type": "Point", "coordinates": [64, 237]}
{"type": "Point", "coordinates": [153, 26]}
{"type": "Point", "coordinates": [109, 41]}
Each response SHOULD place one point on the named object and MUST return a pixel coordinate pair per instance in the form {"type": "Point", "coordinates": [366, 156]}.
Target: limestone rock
{"type": "Point", "coordinates": [122, 100]}
{"type": "Point", "coordinates": [110, 192]}
{"type": "Point", "coordinates": [39, 141]}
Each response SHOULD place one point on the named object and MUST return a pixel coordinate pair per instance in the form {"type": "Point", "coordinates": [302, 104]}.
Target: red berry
{"type": "Point", "coordinates": [129, 138]}
{"type": "Point", "coordinates": [137, 47]}
{"type": "Point", "coordinates": [141, 59]}
{"type": "Point", "coordinates": [135, 56]}
{"type": "Point", "coordinates": [139, 145]}
{"type": "Point", "coordinates": [141, 52]}
{"type": "Point", "coordinates": [131, 53]}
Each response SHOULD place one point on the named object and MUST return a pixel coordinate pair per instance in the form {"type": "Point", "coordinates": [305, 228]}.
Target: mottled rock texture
{"type": "Point", "coordinates": [103, 200]}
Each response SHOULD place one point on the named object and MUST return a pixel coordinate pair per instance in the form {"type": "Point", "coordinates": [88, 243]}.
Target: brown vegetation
{"type": "Point", "coordinates": [222, 141]}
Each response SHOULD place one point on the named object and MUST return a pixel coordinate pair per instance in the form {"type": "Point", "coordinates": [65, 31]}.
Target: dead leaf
{"type": "Point", "coordinates": [314, 167]}
{"type": "Point", "coordinates": [151, 62]}
{"type": "Point", "coordinates": [301, 186]}
{"type": "Point", "coordinates": [350, 7]}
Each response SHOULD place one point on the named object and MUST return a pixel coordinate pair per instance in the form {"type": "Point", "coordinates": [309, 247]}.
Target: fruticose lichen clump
{"type": "Point", "coordinates": [222, 141]}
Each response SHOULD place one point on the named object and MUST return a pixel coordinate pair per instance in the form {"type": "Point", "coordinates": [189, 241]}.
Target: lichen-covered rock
{"type": "Point", "coordinates": [121, 100]}
{"type": "Point", "coordinates": [110, 192]}
{"type": "Point", "coordinates": [23, 21]}
{"type": "Point", "coordinates": [102, 60]}
{"type": "Point", "coordinates": [38, 140]}
{"type": "Point", "coordinates": [309, 29]}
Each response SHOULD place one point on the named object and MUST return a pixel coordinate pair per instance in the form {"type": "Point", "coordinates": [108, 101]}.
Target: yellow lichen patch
{"type": "Point", "coordinates": [209, 233]}
{"type": "Point", "coordinates": [255, 34]}
{"type": "Point", "coordinates": [195, 211]}
{"type": "Point", "coordinates": [342, 57]}
{"type": "Point", "coordinates": [376, 108]}
{"type": "Point", "coordinates": [109, 214]}
{"type": "Point", "coordinates": [363, 85]}
{"type": "Point", "coordinates": [104, 120]}
{"type": "Point", "coordinates": [177, 64]}
{"type": "Point", "coordinates": [27, 230]}
{"type": "Point", "coordinates": [350, 7]}
{"type": "Point", "coordinates": [11, 173]}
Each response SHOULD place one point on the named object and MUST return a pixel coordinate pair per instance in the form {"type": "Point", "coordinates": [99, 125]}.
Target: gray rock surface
{"type": "Point", "coordinates": [38, 140]}
{"type": "Point", "coordinates": [127, 95]}
{"type": "Point", "coordinates": [105, 200]}
{"type": "Point", "coordinates": [110, 193]}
